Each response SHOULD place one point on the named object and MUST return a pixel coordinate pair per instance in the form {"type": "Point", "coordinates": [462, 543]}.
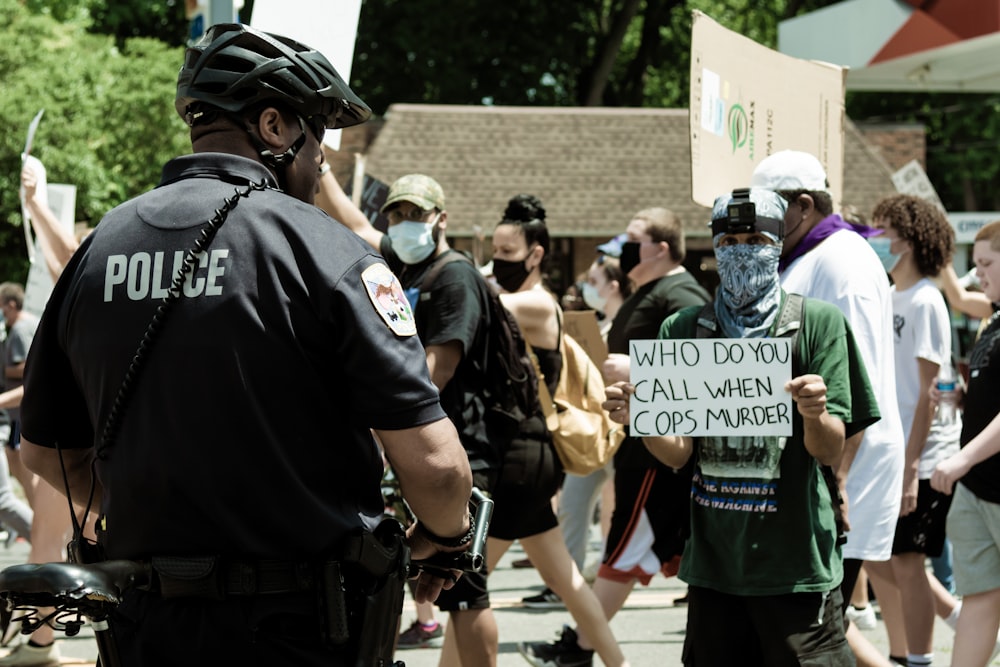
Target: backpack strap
{"type": "Point", "coordinates": [434, 271]}
{"type": "Point", "coordinates": [708, 324]}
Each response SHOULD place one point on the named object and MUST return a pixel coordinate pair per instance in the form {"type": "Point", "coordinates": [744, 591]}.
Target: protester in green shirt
{"type": "Point", "coordinates": [763, 559]}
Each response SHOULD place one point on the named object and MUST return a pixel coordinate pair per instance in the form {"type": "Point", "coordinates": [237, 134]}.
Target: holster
{"type": "Point", "coordinates": [362, 593]}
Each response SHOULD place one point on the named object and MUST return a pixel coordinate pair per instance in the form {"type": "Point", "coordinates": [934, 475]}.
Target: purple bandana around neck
{"type": "Point", "coordinates": [826, 227]}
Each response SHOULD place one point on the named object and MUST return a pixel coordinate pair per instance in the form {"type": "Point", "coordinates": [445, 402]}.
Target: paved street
{"type": "Point", "coordinates": [650, 628]}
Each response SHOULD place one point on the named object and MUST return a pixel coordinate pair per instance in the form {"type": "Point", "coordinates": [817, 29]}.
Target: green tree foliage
{"type": "Point", "coordinates": [163, 19]}
{"type": "Point", "coordinates": [628, 53]}
{"type": "Point", "coordinates": [537, 52]}
{"type": "Point", "coordinates": [962, 136]}
{"type": "Point", "coordinates": [109, 121]}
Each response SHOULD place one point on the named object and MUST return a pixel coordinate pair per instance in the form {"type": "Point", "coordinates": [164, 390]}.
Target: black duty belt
{"type": "Point", "coordinates": [214, 577]}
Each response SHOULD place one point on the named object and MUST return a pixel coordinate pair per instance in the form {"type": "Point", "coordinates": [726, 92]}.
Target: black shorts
{"type": "Point", "coordinates": [469, 592]}
{"type": "Point", "coordinates": [774, 630]}
{"type": "Point", "coordinates": [530, 476]}
{"type": "Point", "coordinates": [923, 530]}
{"type": "Point", "coordinates": [665, 496]}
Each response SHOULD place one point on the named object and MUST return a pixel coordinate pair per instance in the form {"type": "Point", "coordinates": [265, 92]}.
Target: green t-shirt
{"type": "Point", "coordinates": [762, 520]}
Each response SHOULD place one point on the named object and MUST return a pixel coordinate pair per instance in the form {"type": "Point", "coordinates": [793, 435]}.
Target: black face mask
{"type": "Point", "coordinates": [630, 256]}
{"type": "Point", "coordinates": [510, 275]}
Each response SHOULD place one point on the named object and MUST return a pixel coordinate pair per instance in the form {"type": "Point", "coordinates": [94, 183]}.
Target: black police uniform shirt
{"type": "Point", "coordinates": [454, 308]}
{"type": "Point", "coordinates": [247, 432]}
{"type": "Point", "coordinates": [639, 318]}
{"type": "Point", "coordinates": [981, 407]}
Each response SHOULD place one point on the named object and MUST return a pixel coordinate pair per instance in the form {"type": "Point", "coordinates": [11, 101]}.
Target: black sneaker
{"type": "Point", "coordinates": [564, 653]}
{"type": "Point", "coordinates": [547, 599]}
{"type": "Point", "coordinates": [416, 636]}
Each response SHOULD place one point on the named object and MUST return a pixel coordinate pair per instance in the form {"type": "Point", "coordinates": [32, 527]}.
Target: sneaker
{"type": "Point", "coordinates": [863, 617]}
{"type": "Point", "coordinates": [547, 599]}
{"type": "Point", "coordinates": [564, 653]}
{"type": "Point", "coordinates": [417, 636]}
{"type": "Point", "coordinates": [522, 564]}
{"type": "Point", "coordinates": [26, 655]}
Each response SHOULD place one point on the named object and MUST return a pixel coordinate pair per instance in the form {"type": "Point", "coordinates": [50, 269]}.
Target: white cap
{"type": "Point", "coordinates": [790, 170]}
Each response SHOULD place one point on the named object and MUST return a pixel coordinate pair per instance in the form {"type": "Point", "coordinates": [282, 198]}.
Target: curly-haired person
{"type": "Point", "coordinates": [916, 243]}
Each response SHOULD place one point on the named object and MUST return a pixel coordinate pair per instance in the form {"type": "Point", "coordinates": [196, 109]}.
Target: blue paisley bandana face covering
{"type": "Point", "coordinates": [749, 294]}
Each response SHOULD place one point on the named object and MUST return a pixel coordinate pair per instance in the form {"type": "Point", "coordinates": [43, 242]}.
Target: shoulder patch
{"type": "Point", "coordinates": [387, 296]}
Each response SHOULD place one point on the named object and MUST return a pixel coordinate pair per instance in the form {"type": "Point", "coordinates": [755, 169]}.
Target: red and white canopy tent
{"type": "Point", "coordinates": [903, 45]}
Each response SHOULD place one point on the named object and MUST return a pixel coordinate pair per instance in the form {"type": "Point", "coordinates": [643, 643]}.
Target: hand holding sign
{"type": "Point", "coordinates": [616, 401]}
{"type": "Point", "coordinates": [809, 392]}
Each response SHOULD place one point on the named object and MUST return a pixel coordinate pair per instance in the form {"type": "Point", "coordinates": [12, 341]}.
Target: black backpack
{"type": "Point", "coordinates": [790, 319]}
{"type": "Point", "coordinates": [509, 383]}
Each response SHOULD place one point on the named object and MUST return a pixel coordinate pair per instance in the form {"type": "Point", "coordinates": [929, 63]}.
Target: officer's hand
{"type": "Point", "coordinates": [430, 581]}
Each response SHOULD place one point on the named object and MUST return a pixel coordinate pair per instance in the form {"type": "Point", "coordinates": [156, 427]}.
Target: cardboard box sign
{"type": "Point", "coordinates": [749, 101]}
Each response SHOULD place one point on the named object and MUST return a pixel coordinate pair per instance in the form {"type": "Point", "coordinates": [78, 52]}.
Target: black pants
{"type": "Point", "coordinates": [263, 630]}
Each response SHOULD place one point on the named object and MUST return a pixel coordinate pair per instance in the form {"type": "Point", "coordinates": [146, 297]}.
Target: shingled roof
{"type": "Point", "coordinates": [592, 167]}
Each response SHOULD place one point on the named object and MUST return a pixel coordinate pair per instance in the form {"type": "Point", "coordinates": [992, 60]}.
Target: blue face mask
{"type": "Point", "coordinates": [413, 241]}
{"type": "Point", "coordinates": [883, 248]}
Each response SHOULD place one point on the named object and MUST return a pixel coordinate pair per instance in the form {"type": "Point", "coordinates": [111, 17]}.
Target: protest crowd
{"type": "Point", "coordinates": [853, 467]}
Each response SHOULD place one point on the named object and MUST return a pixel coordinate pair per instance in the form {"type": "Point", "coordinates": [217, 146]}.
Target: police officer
{"type": "Point", "coordinates": [232, 448]}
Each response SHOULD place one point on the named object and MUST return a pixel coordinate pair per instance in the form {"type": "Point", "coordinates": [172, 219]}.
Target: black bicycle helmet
{"type": "Point", "coordinates": [235, 67]}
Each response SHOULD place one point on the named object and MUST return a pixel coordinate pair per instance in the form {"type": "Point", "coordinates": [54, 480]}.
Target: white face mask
{"type": "Point", "coordinates": [593, 298]}
{"type": "Point", "coordinates": [413, 241]}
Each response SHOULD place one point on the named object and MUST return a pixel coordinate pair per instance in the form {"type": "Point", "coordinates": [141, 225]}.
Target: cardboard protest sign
{"type": "Point", "coordinates": [582, 326]}
{"type": "Point", "coordinates": [911, 179]}
{"type": "Point", "coordinates": [748, 101]}
{"type": "Point", "coordinates": [370, 200]}
{"type": "Point", "coordinates": [26, 157]}
{"type": "Point", "coordinates": [329, 26]}
{"type": "Point", "coordinates": [711, 387]}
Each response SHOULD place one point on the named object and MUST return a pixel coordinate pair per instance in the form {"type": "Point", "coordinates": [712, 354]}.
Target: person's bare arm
{"type": "Point", "coordinates": [58, 243]}
{"type": "Point", "coordinates": [923, 415]}
{"type": "Point", "coordinates": [12, 397]}
{"type": "Point", "coordinates": [442, 360]}
{"type": "Point", "coordinates": [44, 462]}
{"type": "Point", "coordinates": [973, 304]}
{"type": "Point", "coordinates": [955, 467]}
{"type": "Point", "coordinates": [434, 474]}
{"type": "Point", "coordinates": [332, 199]}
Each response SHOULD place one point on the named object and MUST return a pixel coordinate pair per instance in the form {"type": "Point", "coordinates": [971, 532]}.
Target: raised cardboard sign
{"type": "Point", "coordinates": [711, 387]}
{"type": "Point", "coordinates": [329, 26]}
{"type": "Point", "coordinates": [749, 101]}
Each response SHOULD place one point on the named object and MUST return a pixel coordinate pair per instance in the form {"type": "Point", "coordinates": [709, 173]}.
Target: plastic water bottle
{"type": "Point", "coordinates": [947, 403]}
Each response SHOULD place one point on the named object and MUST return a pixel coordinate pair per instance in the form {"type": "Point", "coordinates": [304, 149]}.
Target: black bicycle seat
{"type": "Point", "coordinates": [69, 585]}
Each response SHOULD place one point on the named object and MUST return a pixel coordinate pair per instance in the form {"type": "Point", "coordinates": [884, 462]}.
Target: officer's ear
{"type": "Point", "coordinates": [273, 129]}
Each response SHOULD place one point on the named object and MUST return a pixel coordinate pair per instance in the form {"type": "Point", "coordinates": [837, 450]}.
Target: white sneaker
{"type": "Point", "coordinates": [864, 617]}
{"type": "Point", "coordinates": [26, 655]}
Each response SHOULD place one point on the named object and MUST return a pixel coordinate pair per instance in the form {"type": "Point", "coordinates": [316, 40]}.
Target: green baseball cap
{"type": "Point", "coordinates": [417, 189]}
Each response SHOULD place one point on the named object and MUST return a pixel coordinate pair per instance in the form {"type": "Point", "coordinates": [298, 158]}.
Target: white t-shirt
{"type": "Point", "coordinates": [845, 271]}
{"type": "Point", "coordinates": [923, 331]}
